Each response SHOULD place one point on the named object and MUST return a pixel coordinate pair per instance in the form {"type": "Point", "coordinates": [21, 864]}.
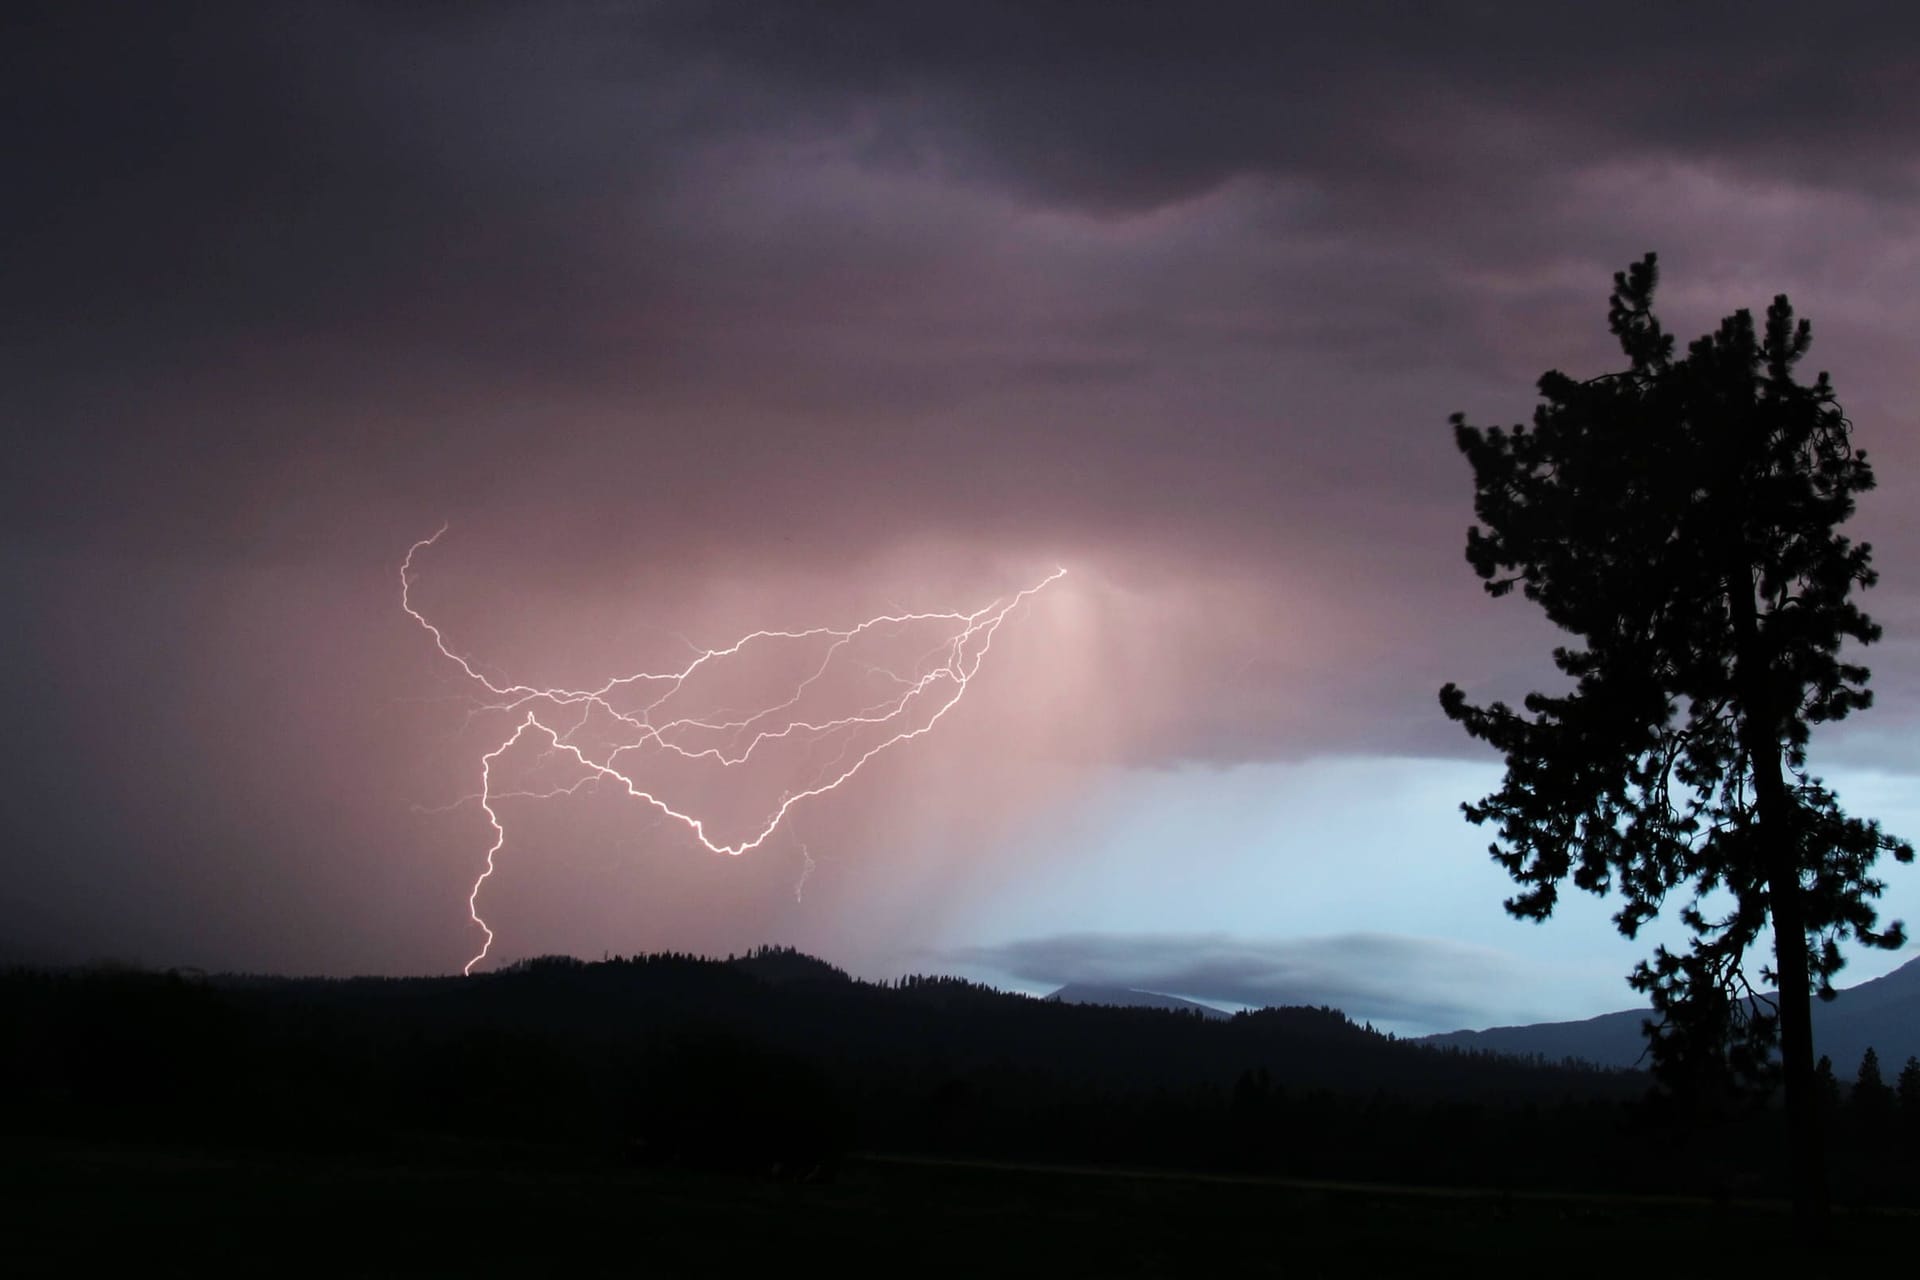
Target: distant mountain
{"type": "Point", "coordinates": [1883, 1014]}
{"type": "Point", "coordinates": [1128, 998]}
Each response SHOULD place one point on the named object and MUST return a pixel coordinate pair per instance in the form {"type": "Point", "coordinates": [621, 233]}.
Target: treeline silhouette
{"type": "Point", "coordinates": [776, 1063]}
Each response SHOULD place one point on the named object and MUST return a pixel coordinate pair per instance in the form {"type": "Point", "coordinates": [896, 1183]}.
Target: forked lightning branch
{"type": "Point", "coordinates": [847, 695]}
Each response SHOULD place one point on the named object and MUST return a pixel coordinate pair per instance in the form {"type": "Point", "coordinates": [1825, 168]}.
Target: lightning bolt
{"type": "Point", "coordinates": [806, 870]}
{"type": "Point", "coordinates": [553, 716]}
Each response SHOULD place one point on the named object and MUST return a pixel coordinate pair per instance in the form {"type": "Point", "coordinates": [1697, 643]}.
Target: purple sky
{"type": "Point", "coordinates": [691, 319]}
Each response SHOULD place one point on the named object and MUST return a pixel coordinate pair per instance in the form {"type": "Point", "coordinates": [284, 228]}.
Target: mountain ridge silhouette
{"type": "Point", "coordinates": [1882, 1014]}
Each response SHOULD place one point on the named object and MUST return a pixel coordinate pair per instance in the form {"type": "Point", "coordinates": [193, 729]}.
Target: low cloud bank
{"type": "Point", "coordinates": [1411, 982]}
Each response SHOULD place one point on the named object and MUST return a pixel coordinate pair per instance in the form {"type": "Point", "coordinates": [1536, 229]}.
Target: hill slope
{"type": "Point", "coordinates": [1882, 1014]}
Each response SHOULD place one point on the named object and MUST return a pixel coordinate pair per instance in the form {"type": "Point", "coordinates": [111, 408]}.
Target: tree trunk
{"type": "Point", "coordinates": [1806, 1158]}
{"type": "Point", "coordinates": [1760, 733]}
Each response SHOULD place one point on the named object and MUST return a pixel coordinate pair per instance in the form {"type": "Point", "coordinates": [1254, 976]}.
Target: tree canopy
{"type": "Point", "coordinates": [1680, 517]}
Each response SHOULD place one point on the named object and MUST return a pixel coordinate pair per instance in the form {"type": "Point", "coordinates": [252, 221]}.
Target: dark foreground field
{"type": "Point", "coordinates": [664, 1116]}
{"type": "Point", "coordinates": [91, 1209]}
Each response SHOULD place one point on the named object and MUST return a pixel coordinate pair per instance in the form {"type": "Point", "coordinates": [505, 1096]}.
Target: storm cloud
{"type": "Point", "coordinates": [689, 316]}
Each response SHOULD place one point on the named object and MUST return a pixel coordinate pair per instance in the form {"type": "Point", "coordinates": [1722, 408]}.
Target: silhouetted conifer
{"type": "Point", "coordinates": [1826, 1086]}
{"type": "Point", "coordinates": [1680, 518]}
{"type": "Point", "coordinates": [1871, 1103]}
{"type": "Point", "coordinates": [1908, 1092]}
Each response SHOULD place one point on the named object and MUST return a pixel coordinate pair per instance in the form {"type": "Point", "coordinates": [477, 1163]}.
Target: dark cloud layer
{"type": "Point", "coordinates": [268, 221]}
{"type": "Point", "coordinates": [1117, 108]}
{"type": "Point", "coordinates": [648, 297]}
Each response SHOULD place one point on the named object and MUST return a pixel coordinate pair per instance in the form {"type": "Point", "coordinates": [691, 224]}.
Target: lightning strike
{"type": "Point", "coordinates": [556, 718]}
{"type": "Point", "coordinates": [806, 870]}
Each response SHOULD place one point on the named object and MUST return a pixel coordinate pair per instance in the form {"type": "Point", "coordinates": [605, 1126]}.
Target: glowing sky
{"type": "Point", "coordinates": [696, 319]}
